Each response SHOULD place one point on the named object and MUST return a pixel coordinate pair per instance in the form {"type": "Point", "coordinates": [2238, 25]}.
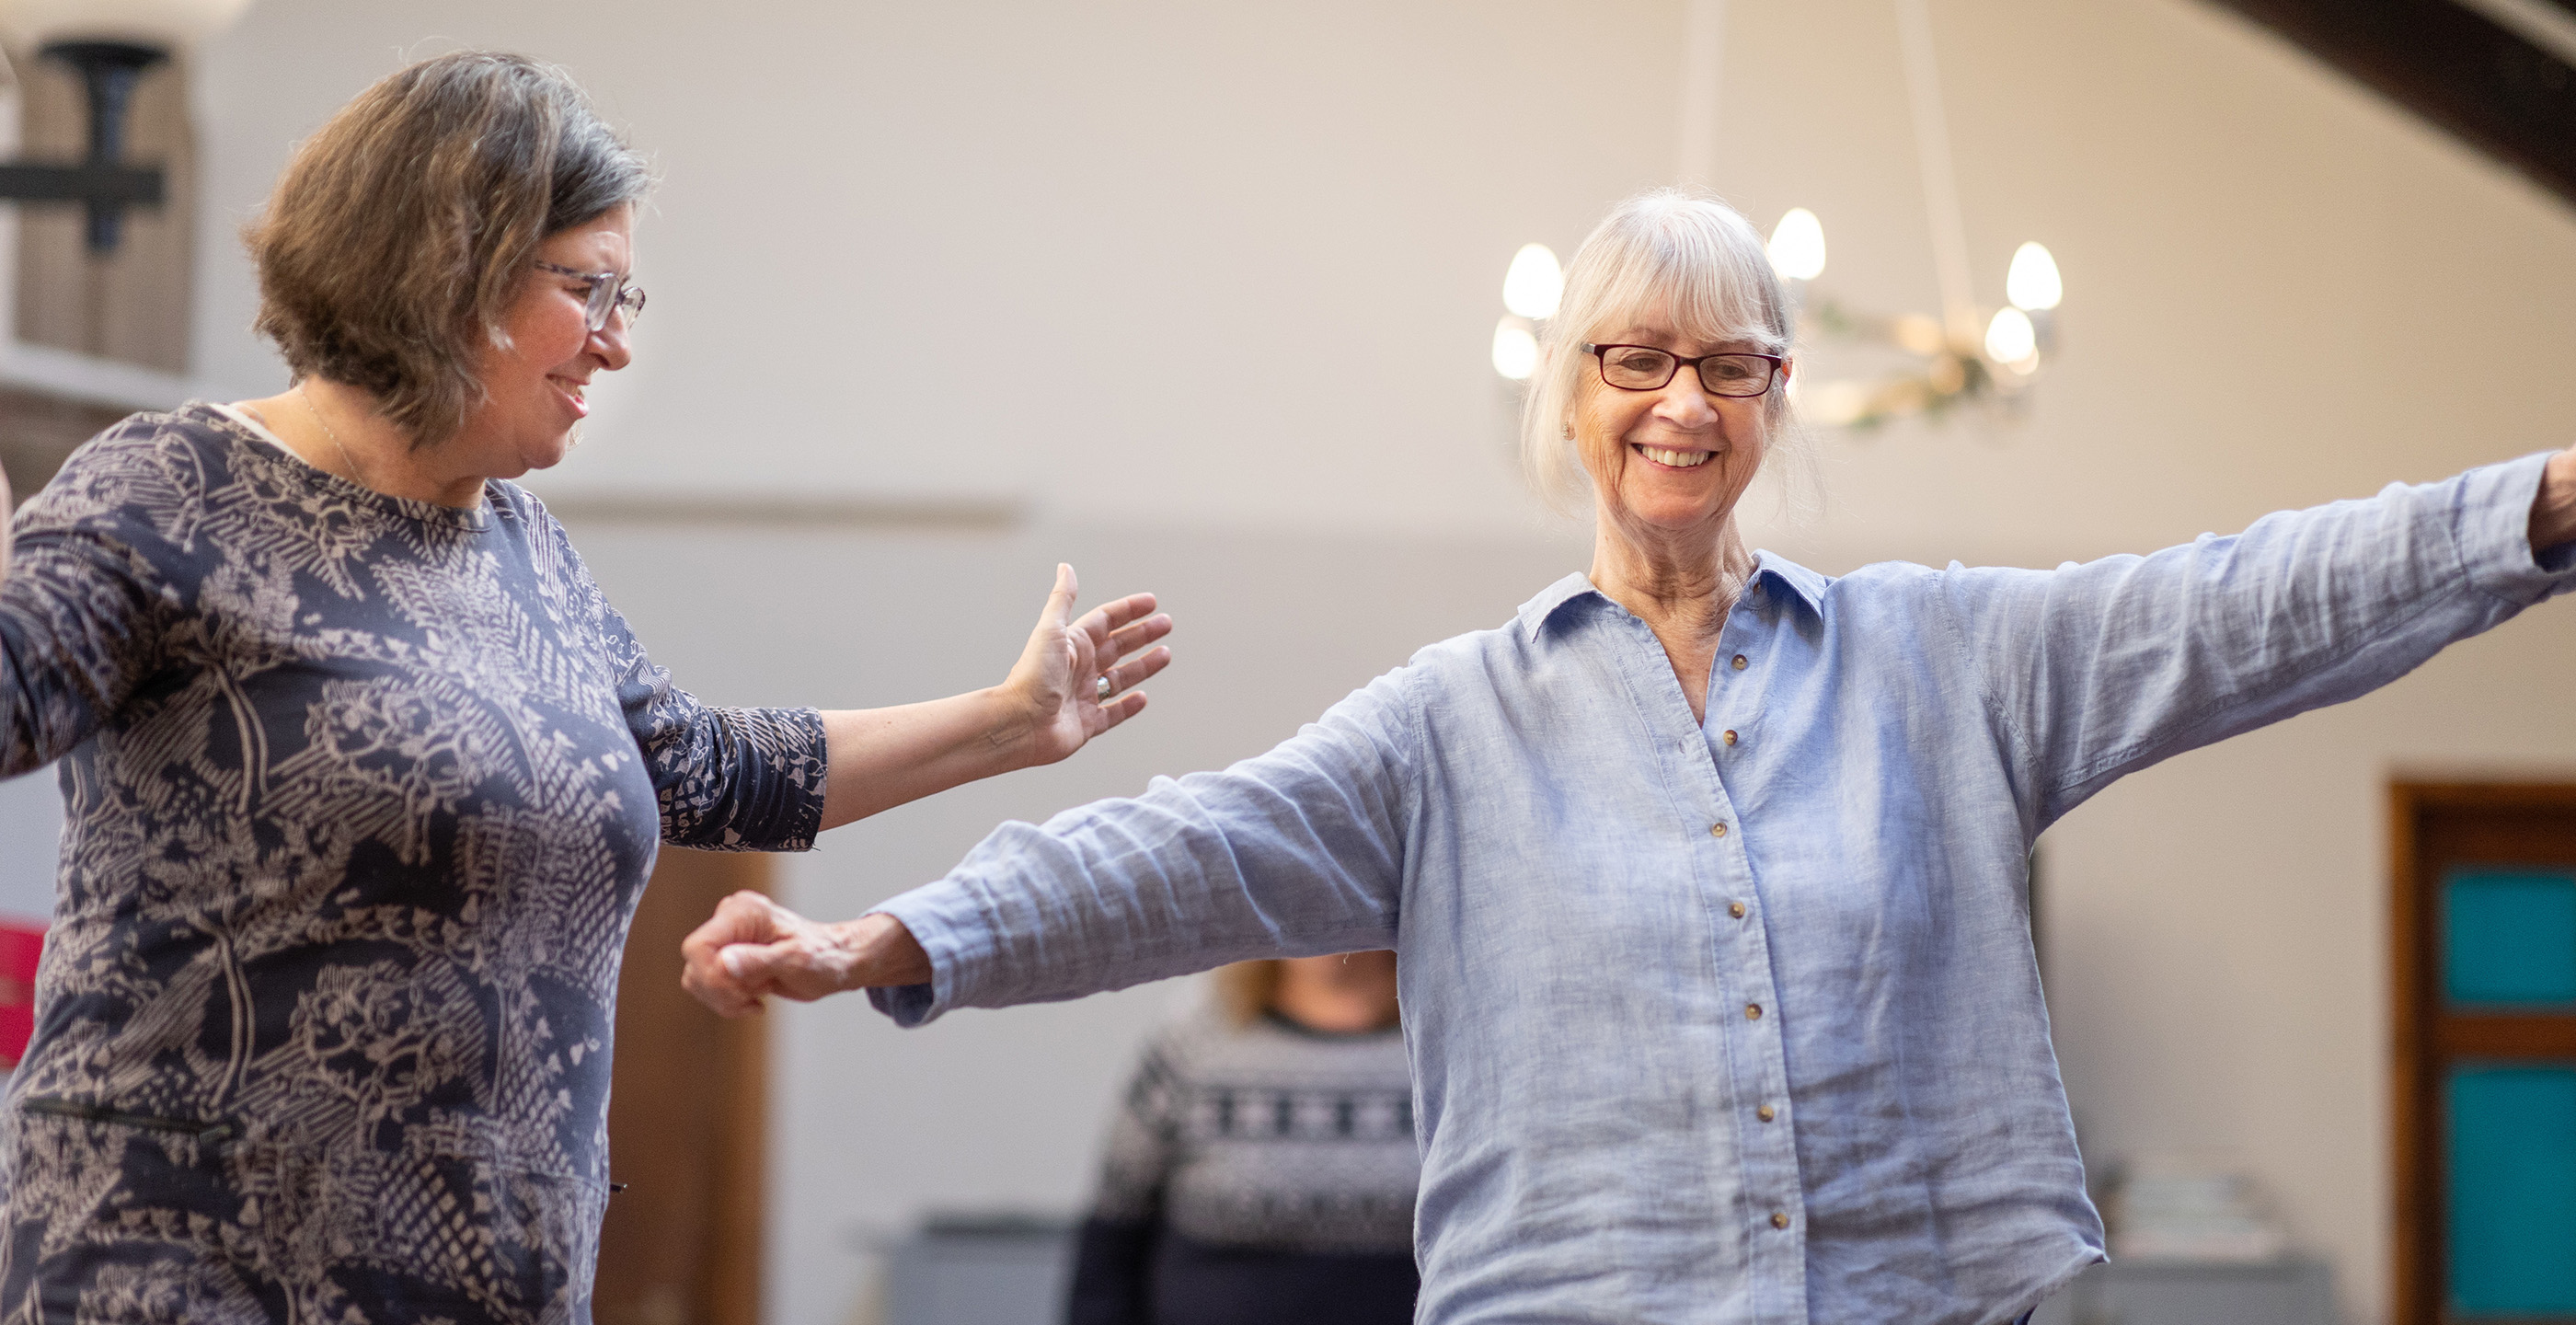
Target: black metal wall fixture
{"type": "Point", "coordinates": [2469, 74]}
{"type": "Point", "coordinates": [102, 182]}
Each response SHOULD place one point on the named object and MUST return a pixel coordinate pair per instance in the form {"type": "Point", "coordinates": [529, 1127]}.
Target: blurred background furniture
{"type": "Point", "coordinates": [2285, 1292]}
{"type": "Point", "coordinates": [980, 1270]}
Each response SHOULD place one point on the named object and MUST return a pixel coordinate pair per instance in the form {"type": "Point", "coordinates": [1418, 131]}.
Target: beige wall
{"type": "Point", "coordinates": [1244, 260]}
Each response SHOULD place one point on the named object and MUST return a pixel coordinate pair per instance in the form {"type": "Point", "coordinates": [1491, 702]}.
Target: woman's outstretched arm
{"type": "Point", "coordinates": [770, 779]}
{"type": "Point", "coordinates": [1297, 851]}
{"type": "Point", "coordinates": [2097, 670]}
{"type": "Point", "coordinates": [1043, 711]}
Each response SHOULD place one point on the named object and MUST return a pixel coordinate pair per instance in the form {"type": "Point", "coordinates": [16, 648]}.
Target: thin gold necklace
{"type": "Point", "coordinates": [355, 472]}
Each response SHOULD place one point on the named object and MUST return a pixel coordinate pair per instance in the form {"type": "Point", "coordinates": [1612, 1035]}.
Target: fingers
{"type": "Point", "coordinates": [1127, 675]}
{"type": "Point", "coordinates": [1119, 710]}
{"type": "Point", "coordinates": [1107, 619]}
{"type": "Point", "coordinates": [709, 983]}
{"type": "Point", "coordinates": [743, 918]}
{"type": "Point", "coordinates": [1059, 603]}
{"type": "Point", "coordinates": [768, 968]}
{"type": "Point", "coordinates": [1123, 642]}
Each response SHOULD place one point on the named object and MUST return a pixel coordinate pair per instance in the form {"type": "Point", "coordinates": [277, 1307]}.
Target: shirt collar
{"type": "Point", "coordinates": [1787, 580]}
{"type": "Point", "coordinates": [1782, 578]}
{"type": "Point", "coordinates": [1535, 613]}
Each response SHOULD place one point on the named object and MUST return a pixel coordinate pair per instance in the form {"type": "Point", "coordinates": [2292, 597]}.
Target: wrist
{"type": "Point", "coordinates": [875, 951]}
{"type": "Point", "coordinates": [1013, 713]}
{"type": "Point", "coordinates": [2553, 514]}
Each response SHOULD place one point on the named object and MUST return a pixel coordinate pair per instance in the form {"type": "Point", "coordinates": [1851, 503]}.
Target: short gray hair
{"type": "Point", "coordinates": [400, 234]}
{"type": "Point", "coordinates": [1674, 251]}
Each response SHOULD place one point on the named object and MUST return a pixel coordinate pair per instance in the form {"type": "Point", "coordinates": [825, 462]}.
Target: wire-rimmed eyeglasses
{"type": "Point", "coordinates": [609, 293]}
{"type": "Point", "coordinates": [1734, 374]}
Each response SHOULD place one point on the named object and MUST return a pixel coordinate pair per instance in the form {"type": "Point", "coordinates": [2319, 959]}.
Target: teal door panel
{"type": "Point", "coordinates": [2509, 937]}
{"type": "Point", "coordinates": [2512, 1153]}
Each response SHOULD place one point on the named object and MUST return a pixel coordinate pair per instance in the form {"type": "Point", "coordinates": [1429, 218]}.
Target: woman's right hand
{"type": "Point", "coordinates": [1055, 682]}
{"type": "Point", "coordinates": [752, 947]}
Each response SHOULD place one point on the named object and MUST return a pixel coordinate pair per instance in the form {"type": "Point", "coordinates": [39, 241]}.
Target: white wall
{"type": "Point", "coordinates": [1309, 207]}
{"type": "Point", "coordinates": [31, 822]}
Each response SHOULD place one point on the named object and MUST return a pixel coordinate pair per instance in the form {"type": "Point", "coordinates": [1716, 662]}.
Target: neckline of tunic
{"type": "Point", "coordinates": [241, 428]}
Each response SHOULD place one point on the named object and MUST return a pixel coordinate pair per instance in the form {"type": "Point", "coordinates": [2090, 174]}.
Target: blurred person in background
{"type": "Point", "coordinates": [1708, 871]}
{"type": "Point", "coordinates": [1262, 1168]}
{"type": "Point", "coordinates": [362, 774]}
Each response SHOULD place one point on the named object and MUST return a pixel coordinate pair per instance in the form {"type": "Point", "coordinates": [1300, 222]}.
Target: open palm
{"type": "Point", "coordinates": [1058, 673]}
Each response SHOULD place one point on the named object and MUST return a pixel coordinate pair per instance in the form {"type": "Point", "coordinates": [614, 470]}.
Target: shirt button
{"type": "Point", "coordinates": [1779, 1221]}
{"type": "Point", "coordinates": [1764, 1113]}
{"type": "Point", "coordinates": [1730, 736]}
{"type": "Point", "coordinates": [1717, 830]}
{"type": "Point", "coordinates": [1737, 662]}
{"type": "Point", "coordinates": [1735, 909]}
{"type": "Point", "coordinates": [1753, 1012]}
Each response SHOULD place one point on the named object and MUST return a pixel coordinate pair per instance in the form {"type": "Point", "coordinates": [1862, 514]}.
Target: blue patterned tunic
{"type": "Point", "coordinates": [360, 794]}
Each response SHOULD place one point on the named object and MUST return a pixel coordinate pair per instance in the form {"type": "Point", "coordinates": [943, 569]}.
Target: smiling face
{"type": "Point", "coordinates": [1670, 463]}
{"type": "Point", "coordinates": [534, 387]}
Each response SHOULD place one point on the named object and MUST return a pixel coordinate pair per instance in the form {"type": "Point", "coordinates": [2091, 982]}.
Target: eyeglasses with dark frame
{"type": "Point", "coordinates": [609, 293]}
{"type": "Point", "coordinates": [1733, 375]}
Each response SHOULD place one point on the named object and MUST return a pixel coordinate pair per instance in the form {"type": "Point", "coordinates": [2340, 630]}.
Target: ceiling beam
{"type": "Point", "coordinates": [2483, 81]}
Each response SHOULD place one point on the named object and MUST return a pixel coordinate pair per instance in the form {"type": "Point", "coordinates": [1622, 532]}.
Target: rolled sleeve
{"type": "Point", "coordinates": [957, 934]}
{"type": "Point", "coordinates": [2493, 529]}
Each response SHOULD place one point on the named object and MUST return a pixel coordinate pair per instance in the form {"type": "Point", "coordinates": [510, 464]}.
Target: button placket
{"type": "Point", "coordinates": [1765, 1157]}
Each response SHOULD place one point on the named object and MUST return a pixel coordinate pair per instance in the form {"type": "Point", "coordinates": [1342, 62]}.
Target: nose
{"type": "Point", "coordinates": [610, 343]}
{"type": "Point", "coordinates": [1683, 404]}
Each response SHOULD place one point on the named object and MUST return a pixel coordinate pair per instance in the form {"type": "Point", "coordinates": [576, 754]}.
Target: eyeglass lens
{"type": "Point", "coordinates": [1638, 368]}
{"type": "Point", "coordinates": [606, 296]}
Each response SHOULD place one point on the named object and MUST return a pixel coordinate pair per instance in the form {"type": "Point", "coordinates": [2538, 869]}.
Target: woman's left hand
{"type": "Point", "coordinates": [2553, 512]}
{"type": "Point", "coordinates": [1058, 675]}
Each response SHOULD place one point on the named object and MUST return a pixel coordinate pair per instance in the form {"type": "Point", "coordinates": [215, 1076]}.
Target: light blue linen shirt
{"type": "Point", "coordinates": [1735, 1021]}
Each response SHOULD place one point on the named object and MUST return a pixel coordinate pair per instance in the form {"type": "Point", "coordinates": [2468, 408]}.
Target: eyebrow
{"type": "Point", "coordinates": [568, 270]}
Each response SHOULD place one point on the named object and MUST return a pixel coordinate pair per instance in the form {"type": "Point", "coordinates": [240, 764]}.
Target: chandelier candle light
{"type": "Point", "coordinates": [1963, 357]}
{"type": "Point", "coordinates": [1531, 289]}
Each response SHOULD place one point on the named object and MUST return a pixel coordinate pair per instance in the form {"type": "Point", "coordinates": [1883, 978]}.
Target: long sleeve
{"type": "Point", "coordinates": [1113, 1253]}
{"type": "Point", "coordinates": [80, 611]}
{"type": "Point", "coordinates": [2093, 671]}
{"type": "Point", "coordinates": [1299, 851]}
{"type": "Point", "coordinates": [724, 779]}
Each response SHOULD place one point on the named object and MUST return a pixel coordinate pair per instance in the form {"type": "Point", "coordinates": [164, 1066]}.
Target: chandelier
{"type": "Point", "coordinates": [1969, 357]}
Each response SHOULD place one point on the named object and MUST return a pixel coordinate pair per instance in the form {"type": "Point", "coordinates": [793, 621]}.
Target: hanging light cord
{"type": "Point", "coordinates": [1940, 179]}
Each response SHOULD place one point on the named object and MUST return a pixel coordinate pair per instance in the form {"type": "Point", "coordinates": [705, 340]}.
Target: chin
{"type": "Point", "coordinates": [1674, 511]}
{"type": "Point", "coordinates": [547, 454]}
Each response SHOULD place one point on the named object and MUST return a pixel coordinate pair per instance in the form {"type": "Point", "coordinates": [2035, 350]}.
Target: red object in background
{"type": "Point", "coordinates": [20, 945]}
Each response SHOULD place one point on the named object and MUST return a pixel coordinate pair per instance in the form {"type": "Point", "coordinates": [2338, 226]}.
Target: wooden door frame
{"type": "Point", "coordinates": [2422, 1038]}
{"type": "Point", "coordinates": [687, 1120]}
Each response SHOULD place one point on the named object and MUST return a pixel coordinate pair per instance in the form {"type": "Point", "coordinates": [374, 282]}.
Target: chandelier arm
{"type": "Point", "coordinates": [1940, 178]}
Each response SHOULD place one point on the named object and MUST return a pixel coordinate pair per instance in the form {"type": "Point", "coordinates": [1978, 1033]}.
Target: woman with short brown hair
{"type": "Point", "coordinates": [362, 773]}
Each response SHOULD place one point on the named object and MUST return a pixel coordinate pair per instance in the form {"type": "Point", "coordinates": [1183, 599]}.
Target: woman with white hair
{"type": "Point", "coordinates": [1706, 872]}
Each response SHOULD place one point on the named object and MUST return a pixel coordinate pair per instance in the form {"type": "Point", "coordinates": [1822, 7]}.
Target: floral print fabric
{"type": "Point", "coordinates": [360, 794]}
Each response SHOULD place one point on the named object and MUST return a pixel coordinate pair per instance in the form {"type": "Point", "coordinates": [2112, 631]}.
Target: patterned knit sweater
{"type": "Point", "coordinates": [1256, 1173]}
{"type": "Point", "coordinates": [360, 793]}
